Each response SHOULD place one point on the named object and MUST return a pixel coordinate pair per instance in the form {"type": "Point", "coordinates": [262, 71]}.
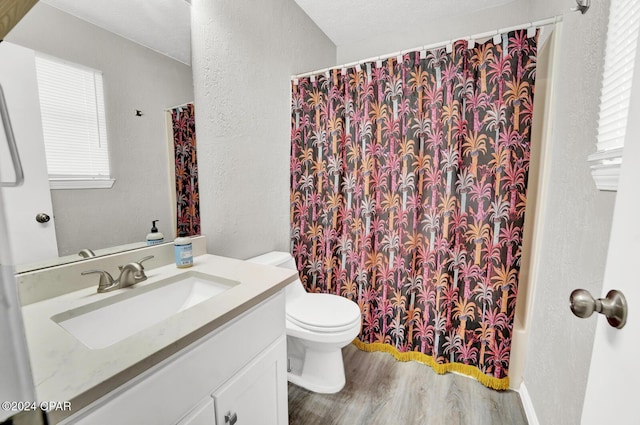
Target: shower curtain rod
{"type": "Point", "coordinates": [536, 24]}
{"type": "Point", "coordinates": [177, 106]}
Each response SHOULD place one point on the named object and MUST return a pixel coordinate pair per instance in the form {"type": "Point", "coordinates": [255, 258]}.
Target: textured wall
{"type": "Point", "coordinates": [243, 56]}
{"type": "Point", "coordinates": [576, 223]}
{"type": "Point", "coordinates": [134, 78]}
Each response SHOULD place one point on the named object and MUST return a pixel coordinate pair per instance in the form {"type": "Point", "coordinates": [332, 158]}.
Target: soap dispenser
{"type": "Point", "coordinates": [155, 237]}
{"type": "Point", "coordinates": [183, 250]}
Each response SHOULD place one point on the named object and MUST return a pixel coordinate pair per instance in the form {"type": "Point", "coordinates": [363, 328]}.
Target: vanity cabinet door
{"type": "Point", "coordinates": [202, 414]}
{"type": "Point", "coordinates": [258, 393]}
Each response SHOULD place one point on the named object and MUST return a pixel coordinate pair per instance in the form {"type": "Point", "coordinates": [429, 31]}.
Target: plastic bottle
{"type": "Point", "coordinates": [183, 250]}
{"type": "Point", "coordinates": [155, 237]}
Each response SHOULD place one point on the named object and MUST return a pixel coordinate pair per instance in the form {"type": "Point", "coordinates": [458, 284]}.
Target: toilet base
{"type": "Point", "coordinates": [315, 367]}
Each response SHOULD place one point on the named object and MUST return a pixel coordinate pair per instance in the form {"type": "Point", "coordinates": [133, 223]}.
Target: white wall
{"type": "Point", "coordinates": [134, 78]}
{"type": "Point", "coordinates": [576, 223]}
{"type": "Point", "coordinates": [243, 56]}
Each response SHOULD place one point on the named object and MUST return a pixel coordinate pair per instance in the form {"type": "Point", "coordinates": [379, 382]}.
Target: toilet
{"type": "Point", "coordinates": [318, 326]}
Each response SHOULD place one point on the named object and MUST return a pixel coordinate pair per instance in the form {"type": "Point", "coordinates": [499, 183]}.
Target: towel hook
{"type": "Point", "coordinates": [582, 7]}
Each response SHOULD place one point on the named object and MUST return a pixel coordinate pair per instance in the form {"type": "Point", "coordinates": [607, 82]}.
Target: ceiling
{"type": "Point", "coordinates": [354, 20]}
{"type": "Point", "coordinates": [164, 25]}
{"type": "Point", "coordinates": [161, 25]}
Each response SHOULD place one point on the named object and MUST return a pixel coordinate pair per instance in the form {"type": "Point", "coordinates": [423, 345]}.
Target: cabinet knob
{"type": "Point", "coordinates": [230, 419]}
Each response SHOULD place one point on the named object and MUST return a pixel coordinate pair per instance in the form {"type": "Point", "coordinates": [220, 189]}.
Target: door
{"type": "Point", "coordinates": [611, 396]}
{"type": "Point", "coordinates": [31, 241]}
{"type": "Point", "coordinates": [258, 393]}
{"type": "Point", "coordinates": [15, 372]}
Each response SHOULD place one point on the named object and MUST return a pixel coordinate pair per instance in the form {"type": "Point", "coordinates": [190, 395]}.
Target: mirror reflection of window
{"type": "Point", "coordinates": [74, 124]}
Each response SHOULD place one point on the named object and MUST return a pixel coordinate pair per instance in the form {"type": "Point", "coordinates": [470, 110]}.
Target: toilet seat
{"type": "Point", "coordinates": [323, 313]}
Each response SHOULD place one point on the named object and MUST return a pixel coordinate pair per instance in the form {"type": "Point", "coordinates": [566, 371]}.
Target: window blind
{"type": "Point", "coordinates": [621, 46]}
{"type": "Point", "coordinates": [73, 120]}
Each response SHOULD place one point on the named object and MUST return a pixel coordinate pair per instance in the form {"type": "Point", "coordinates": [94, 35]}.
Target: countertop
{"type": "Point", "coordinates": [66, 370]}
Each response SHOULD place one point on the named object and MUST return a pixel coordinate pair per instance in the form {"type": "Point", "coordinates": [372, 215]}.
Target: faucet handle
{"type": "Point", "coordinates": [106, 280]}
{"type": "Point", "coordinates": [86, 253]}
{"type": "Point", "coordinates": [145, 259]}
{"type": "Point", "coordinates": [139, 262]}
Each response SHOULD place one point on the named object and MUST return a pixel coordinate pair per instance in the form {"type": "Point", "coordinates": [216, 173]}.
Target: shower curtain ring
{"type": "Point", "coordinates": [582, 7]}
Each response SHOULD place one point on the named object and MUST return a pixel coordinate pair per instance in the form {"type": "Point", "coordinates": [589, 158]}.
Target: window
{"type": "Point", "coordinates": [73, 123]}
{"type": "Point", "coordinates": [620, 53]}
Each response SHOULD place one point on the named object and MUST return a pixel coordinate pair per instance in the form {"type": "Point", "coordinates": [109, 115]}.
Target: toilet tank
{"type": "Point", "coordinates": [284, 260]}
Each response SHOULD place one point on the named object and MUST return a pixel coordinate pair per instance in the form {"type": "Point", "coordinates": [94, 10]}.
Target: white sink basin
{"type": "Point", "coordinates": [103, 323]}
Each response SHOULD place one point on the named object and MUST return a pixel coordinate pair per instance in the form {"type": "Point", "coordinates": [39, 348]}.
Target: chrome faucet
{"type": "Point", "coordinates": [130, 274]}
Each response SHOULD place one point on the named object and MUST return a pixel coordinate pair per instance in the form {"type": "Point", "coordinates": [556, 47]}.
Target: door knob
{"type": "Point", "coordinates": [614, 306]}
{"type": "Point", "coordinates": [42, 218]}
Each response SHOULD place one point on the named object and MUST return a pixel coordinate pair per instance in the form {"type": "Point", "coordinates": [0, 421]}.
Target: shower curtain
{"type": "Point", "coordinates": [408, 194]}
{"type": "Point", "coordinates": [186, 170]}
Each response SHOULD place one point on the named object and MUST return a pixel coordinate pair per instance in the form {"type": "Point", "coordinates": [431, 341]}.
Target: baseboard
{"type": "Point", "coordinates": [529, 411]}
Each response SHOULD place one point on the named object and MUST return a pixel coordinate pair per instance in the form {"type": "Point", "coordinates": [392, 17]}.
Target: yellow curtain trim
{"type": "Point", "coordinates": [468, 370]}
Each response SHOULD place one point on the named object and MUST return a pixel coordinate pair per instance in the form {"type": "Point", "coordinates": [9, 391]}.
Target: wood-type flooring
{"type": "Point", "coordinates": [383, 391]}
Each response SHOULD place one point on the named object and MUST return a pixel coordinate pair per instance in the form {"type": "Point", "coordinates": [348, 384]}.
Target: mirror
{"type": "Point", "coordinates": [139, 86]}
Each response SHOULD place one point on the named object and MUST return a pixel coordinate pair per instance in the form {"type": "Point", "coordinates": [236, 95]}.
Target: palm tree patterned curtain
{"type": "Point", "coordinates": [186, 171]}
{"type": "Point", "coordinates": [408, 194]}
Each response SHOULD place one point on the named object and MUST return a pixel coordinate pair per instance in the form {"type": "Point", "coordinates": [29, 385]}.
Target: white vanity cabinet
{"type": "Point", "coordinates": [236, 374]}
{"type": "Point", "coordinates": [202, 414]}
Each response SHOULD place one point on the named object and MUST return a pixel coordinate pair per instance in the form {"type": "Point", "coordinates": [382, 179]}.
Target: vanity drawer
{"type": "Point", "coordinates": [163, 394]}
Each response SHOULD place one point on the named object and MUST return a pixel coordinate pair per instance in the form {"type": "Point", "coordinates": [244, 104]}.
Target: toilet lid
{"type": "Point", "coordinates": [323, 312]}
